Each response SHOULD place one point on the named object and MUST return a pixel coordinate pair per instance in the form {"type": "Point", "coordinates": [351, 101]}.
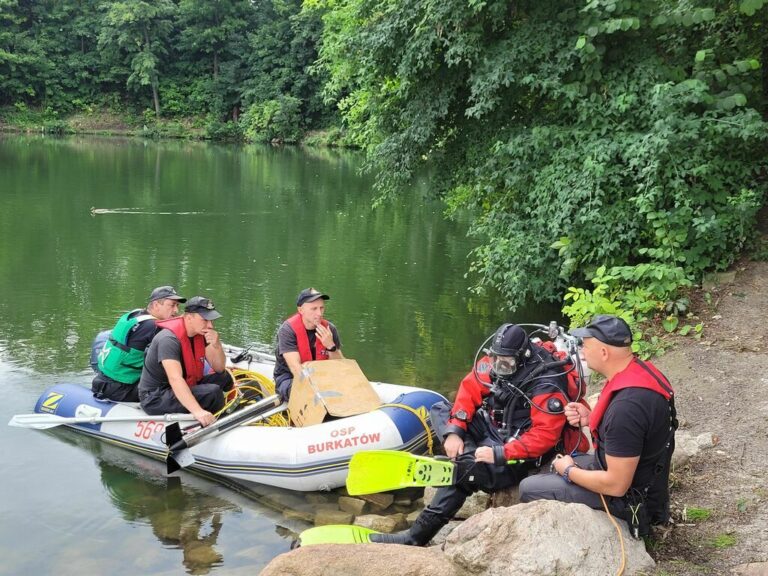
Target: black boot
{"type": "Point", "coordinates": [403, 537]}
{"type": "Point", "coordinates": [447, 501]}
{"type": "Point", "coordinates": [422, 531]}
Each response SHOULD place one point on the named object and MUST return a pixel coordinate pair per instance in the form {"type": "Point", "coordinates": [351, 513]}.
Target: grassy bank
{"type": "Point", "coordinates": [105, 122]}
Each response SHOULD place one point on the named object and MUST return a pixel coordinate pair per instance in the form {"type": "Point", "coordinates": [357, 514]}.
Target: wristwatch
{"type": "Point", "coordinates": [333, 349]}
{"type": "Point", "coordinates": [567, 472]}
{"type": "Point", "coordinates": [460, 415]}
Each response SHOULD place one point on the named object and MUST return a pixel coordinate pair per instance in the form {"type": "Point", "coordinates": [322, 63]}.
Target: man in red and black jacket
{"type": "Point", "coordinates": [509, 407]}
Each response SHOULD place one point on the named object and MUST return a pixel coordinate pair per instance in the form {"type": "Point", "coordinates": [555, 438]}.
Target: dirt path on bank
{"type": "Point", "coordinates": [721, 382]}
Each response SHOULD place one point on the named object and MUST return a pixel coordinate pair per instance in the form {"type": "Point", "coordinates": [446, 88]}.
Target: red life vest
{"type": "Point", "coordinates": [302, 340]}
{"type": "Point", "coordinates": [191, 358]}
{"type": "Point", "coordinates": [637, 374]}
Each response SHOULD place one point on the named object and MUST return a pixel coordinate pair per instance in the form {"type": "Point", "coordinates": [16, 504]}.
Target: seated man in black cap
{"type": "Point", "coordinates": [173, 378]}
{"type": "Point", "coordinates": [303, 337]}
{"type": "Point", "coordinates": [526, 390]}
{"type": "Point", "coordinates": [633, 428]}
{"type": "Point", "coordinates": [121, 358]}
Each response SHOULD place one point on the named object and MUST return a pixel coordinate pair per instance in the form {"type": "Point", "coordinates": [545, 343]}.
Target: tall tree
{"type": "Point", "coordinates": [209, 26]}
{"type": "Point", "coordinates": [140, 30]}
{"type": "Point", "coordinates": [282, 50]}
{"type": "Point", "coordinates": [217, 31]}
{"type": "Point", "coordinates": [22, 58]}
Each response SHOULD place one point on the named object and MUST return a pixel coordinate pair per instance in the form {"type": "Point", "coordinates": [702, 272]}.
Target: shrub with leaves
{"type": "Point", "coordinates": [273, 120]}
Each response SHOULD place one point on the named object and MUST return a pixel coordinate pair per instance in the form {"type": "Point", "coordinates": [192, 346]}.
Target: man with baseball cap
{"type": "Point", "coordinates": [173, 378]}
{"type": "Point", "coordinates": [633, 430]}
{"type": "Point", "coordinates": [303, 337]}
{"type": "Point", "coordinates": [121, 358]}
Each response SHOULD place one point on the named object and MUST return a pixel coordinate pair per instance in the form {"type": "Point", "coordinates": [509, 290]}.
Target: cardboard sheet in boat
{"type": "Point", "coordinates": [336, 388]}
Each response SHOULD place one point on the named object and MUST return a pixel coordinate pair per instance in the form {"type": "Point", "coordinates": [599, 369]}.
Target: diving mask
{"type": "Point", "coordinates": [504, 365]}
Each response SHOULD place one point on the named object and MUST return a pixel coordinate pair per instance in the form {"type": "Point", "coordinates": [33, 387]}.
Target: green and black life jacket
{"type": "Point", "coordinates": [116, 359]}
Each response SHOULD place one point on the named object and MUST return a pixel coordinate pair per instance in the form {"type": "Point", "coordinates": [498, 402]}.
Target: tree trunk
{"type": "Point", "coordinates": [156, 97]}
{"type": "Point", "coordinates": [153, 80]}
{"type": "Point", "coordinates": [765, 73]}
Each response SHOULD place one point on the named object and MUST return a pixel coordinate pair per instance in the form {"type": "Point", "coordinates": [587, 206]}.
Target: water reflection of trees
{"type": "Point", "coordinates": [180, 516]}
{"type": "Point", "coordinates": [396, 273]}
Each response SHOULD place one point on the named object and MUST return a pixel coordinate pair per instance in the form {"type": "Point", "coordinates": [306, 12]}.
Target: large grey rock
{"type": "Point", "coordinates": [361, 560]}
{"type": "Point", "coordinates": [439, 538]}
{"type": "Point", "coordinates": [543, 537]}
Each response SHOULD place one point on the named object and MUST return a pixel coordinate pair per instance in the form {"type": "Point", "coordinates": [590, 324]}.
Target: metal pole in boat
{"type": "Point", "coordinates": [180, 457]}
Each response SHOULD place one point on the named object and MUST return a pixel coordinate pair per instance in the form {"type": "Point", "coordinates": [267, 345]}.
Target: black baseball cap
{"type": "Point", "coordinates": [166, 293]}
{"type": "Point", "coordinates": [608, 329]}
{"type": "Point", "coordinates": [202, 306]}
{"type": "Point", "coordinates": [310, 295]}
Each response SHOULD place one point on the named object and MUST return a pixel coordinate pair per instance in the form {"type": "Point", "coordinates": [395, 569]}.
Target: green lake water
{"type": "Point", "coordinates": [89, 226]}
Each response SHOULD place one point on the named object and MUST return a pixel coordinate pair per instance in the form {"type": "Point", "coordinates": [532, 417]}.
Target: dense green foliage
{"type": "Point", "coordinates": [177, 58]}
{"type": "Point", "coordinates": [618, 142]}
{"type": "Point", "coordinates": [615, 133]}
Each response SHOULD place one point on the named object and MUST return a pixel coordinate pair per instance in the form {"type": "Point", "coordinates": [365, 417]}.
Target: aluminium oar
{"type": "Point", "coordinates": [179, 455]}
{"type": "Point", "coordinates": [43, 421]}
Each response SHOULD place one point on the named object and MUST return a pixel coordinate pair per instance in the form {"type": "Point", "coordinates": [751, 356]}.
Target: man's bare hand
{"type": "Point", "coordinates": [204, 417]}
{"type": "Point", "coordinates": [577, 414]}
{"type": "Point", "coordinates": [325, 335]}
{"type": "Point", "coordinates": [484, 454]}
{"type": "Point", "coordinates": [453, 445]}
{"type": "Point", "coordinates": [211, 337]}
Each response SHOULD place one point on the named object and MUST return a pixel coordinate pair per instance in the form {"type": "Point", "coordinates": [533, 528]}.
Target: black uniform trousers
{"type": "Point", "coordinates": [209, 393]}
{"type": "Point", "coordinates": [471, 476]}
